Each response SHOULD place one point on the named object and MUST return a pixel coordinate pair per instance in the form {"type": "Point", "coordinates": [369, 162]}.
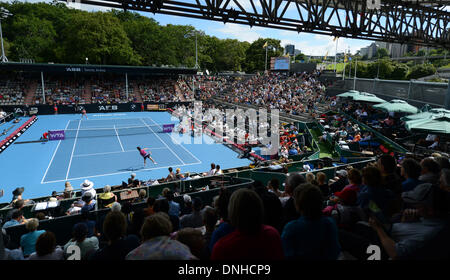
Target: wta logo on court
{"type": "Point", "coordinates": [56, 135]}
{"type": "Point", "coordinates": [231, 126]}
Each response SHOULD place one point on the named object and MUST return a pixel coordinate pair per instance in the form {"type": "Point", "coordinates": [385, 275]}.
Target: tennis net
{"type": "Point", "coordinates": [109, 131]}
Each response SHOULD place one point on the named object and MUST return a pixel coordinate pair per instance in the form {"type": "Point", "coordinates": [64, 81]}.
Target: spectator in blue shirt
{"type": "Point", "coordinates": [89, 202]}
{"type": "Point", "coordinates": [16, 219]}
{"type": "Point", "coordinates": [410, 170]}
{"type": "Point", "coordinates": [293, 152]}
{"type": "Point", "coordinates": [28, 240]}
{"type": "Point", "coordinates": [312, 236]}
{"type": "Point", "coordinates": [174, 207]}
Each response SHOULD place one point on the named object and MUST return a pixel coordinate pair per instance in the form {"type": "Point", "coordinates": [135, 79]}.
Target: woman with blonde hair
{"type": "Point", "coordinates": [311, 178]}
{"type": "Point", "coordinates": [28, 240]}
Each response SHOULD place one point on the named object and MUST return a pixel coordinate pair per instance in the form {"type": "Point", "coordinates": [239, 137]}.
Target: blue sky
{"type": "Point", "coordinates": [310, 44]}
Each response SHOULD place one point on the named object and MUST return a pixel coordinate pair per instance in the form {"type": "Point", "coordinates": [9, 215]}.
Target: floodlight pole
{"type": "Point", "coordinates": [354, 78]}
{"type": "Point", "coordinates": [3, 57]}
{"type": "Point", "coordinates": [447, 97]}
{"type": "Point", "coordinates": [196, 55]}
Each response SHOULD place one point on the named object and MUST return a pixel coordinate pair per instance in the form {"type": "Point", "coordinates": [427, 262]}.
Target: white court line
{"type": "Point", "coordinates": [118, 138]}
{"type": "Point", "coordinates": [73, 149]}
{"type": "Point", "coordinates": [105, 128]}
{"type": "Point", "coordinates": [177, 142]}
{"type": "Point", "coordinates": [123, 172]}
{"type": "Point", "coordinates": [54, 153]}
{"type": "Point", "coordinates": [162, 141]}
{"type": "Point", "coordinates": [109, 115]}
{"type": "Point", "coordinates": [119, 152]}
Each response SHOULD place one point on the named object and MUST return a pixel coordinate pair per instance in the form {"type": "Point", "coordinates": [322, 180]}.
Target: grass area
{"type": "Point", "coordinates": [445, 66]}
{"type": "Point", "coordinates": [325, 149]}
{"type": "Point", "coordinates": [339, 66]}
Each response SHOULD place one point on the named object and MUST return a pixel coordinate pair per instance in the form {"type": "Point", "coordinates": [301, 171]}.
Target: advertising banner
{"type": "Point", "coordinates": [168, 127]}
{"type": "Point", "coordinates": [56, 135]}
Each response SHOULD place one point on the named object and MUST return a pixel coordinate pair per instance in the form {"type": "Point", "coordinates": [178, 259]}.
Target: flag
{"type": "Point", "coordinates": [326, 55]}
{"type": "Point", "coordinates": [265, 45]}
{"type": "Point", "coordinates": [335, 38]}
{"type": "Point", "coordinates": [345, 58]}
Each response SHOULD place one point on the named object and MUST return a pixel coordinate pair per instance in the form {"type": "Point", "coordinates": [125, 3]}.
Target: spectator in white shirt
{"type": "Point", "coordinates": [218, 170]}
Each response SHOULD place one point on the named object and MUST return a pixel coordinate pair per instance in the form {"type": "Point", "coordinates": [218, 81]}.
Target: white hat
{"type": "Point", "coordinates": [87, 185]}
{"type": "Point", "coordinates": [307, 167]}
{"type": "Point", "coordinates": [186, 198]}
{"type": "Point", "coordinates": [342, 173]}
{"type": "Point", "coordinates": [133, 175]}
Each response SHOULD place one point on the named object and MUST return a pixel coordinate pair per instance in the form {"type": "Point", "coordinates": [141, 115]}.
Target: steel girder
{"type": "Point", "coordinates": [396, 21]}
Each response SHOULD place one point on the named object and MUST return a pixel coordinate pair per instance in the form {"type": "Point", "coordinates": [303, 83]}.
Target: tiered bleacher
{"type": "Point", "coordinates": [12, 92]}
{"type": "Point", "coordinates": [107, 91]}
{"type": "Point", "coordinates": [61, 91]}
{"type": "Point", "coordinates": [364, 190]}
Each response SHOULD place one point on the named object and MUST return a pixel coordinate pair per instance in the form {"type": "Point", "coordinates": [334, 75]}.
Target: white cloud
{"type": "Point", "coordinates": [319, 45]}
{"type": "Point", "coordinates": [242, 32]}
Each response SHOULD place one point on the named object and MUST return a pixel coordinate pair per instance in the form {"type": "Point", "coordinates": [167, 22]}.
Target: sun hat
{"type": "Point", "coordinates": [87, 185]}
{"type": "Point", "coordinates": [186, 198]}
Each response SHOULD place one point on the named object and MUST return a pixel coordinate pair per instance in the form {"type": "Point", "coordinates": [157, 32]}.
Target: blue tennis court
{"type": "Point", "coordinates": [103, 150]}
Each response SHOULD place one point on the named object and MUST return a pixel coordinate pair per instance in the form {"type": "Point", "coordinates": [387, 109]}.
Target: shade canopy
{"type": "Point", "coordinates": [361, 96]}
{"type": "Point", "coordinates": [399, 106]}
{"type": "Point", "coordinates": [427, 114]}
{"type": "Point", "coordinates": [437, 123]}
{"type": "Point", "coordinates": [349, 94]}
{"type": "Point", "coordinates": [426, 108]}
{"type": "Point", "coordinates": [368, 97]}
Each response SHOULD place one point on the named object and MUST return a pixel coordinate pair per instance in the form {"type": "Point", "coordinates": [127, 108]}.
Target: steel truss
{"type": "Point", "coordinates": [395, 21]}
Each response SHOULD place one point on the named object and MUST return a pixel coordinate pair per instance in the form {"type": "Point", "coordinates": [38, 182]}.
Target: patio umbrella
{"type": "Point", "coordinates": [349, 94]}
{"type": "Point", "coordinates": [438, 123]}
{"type": "Point", "coordinates": [426, 114]}
{"type": "Point", "coordinates": [397, 106]}
{"type": "Point", "coordinates": [368, 97]}
{"type": "Point", "coordinates": [426, 108]}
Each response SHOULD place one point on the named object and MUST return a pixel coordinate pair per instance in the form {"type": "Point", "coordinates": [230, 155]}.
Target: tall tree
{"type": "Point", "coordinates": [100, 37]}
{"type": "Point", "coordinates": [33, 38]}
{"type": "Point", "coordinates": [256, 54]}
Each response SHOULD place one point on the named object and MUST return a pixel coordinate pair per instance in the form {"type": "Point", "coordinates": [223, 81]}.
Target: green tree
{"type": "Point", "coordinates": [400, 71]}
{"type": "Point", "coordinates": [383, 68]}
{"type": "Point", "coordinates": [421, 70]}
{"type": "Point", "coordinates": [146, 37]}
{"type": "Point", "coordinates": [100, 37]}
{"type": "Point", "coordinates": [230, 55]}
{"type": "Point", "coordinates": [382, 53]}
{"type": "Point", "coordinates": [300, 57]}
{"type": "Point", "coordinates": [421, 53]}
{"type": "Point", "coordinates": [256, 54]}
{"type": "Point", "coordinates": [33, 38]}
{"type": "Point", "coordinates": [6, 45]}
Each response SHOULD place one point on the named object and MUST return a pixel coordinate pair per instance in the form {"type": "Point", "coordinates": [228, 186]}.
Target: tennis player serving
{"type": "Point", "coordinates": [145, 155]}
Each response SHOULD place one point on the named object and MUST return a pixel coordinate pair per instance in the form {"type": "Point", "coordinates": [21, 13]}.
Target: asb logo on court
{"type": "Point", "coordinates": [108, 108]}
{"type": "Point", "coordinates": [133, 107]}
